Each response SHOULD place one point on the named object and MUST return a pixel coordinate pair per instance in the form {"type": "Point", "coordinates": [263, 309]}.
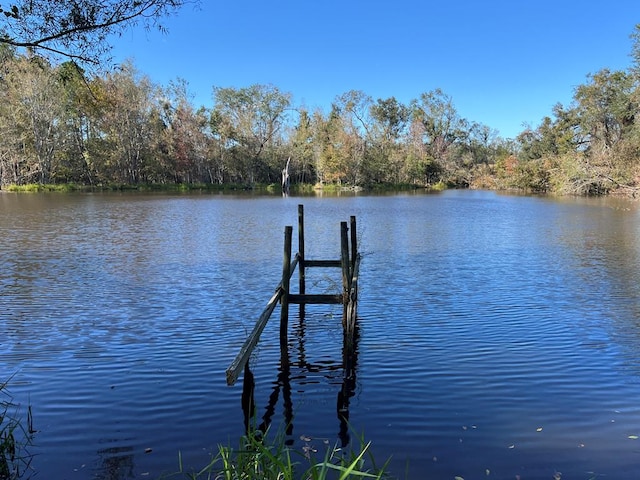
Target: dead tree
{"type": "Point", "coordinates": [286, 179]}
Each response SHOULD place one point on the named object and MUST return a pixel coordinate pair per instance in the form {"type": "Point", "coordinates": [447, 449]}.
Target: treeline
{"type": "Point", "coordinates": [591, 146]}
{"type": "Point", "coordinates": [60, 125]}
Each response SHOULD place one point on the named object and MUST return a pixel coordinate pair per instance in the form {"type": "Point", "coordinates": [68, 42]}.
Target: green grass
{"type": "Point", "coordinates": [260, 459]}
{"type": "Point", "coordinates": [272, 189]}
{"type": "Point", "coordinates": [142, 187]}
{"type": "Point", "coordinates": [438, 187]}
{"type": "Point", "coordinates": [14, 439]}
{"type": "Point", "coordinates": [45, 187]}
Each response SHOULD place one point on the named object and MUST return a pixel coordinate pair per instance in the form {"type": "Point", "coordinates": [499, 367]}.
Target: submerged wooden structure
{"type": "Point", "coordinates": [349, 263]}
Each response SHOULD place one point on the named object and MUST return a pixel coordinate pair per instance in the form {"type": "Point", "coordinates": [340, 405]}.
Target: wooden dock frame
{"type": "Point", "coordinates": [349, 263]}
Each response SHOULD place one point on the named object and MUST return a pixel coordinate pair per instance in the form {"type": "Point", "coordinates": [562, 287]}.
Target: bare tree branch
{"type": "Point", "coordinates": [78, 29]}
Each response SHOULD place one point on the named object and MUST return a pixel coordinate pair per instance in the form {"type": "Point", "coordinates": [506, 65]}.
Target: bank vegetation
{"type": "Point", "coordinates": [62, 126]}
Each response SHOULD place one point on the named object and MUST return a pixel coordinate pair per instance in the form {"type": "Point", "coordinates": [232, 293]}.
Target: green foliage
{"type": "Point", "coordinates": [441, 185]}
{"type": "Point", "coordinates": [441, 124]}
{"type": "Point", "coordinates": [252, 119]}
{"type": "Point", "coordinates": [260, 459]}
{"type": "Point", "coordinates": [14, 440]}
{"type": "Point", "coordinates": [59, 126]}
{"type": "Point", "coordinates": [590, 148]}
{"type": "Point", "coordinates": [607, 107]}
{"type": "Point", "coordinates": [532, 176]}
{"type": "Point", "coordinates": [38, 187]}
{"type": "Point", "coordinates": [635, 50]}
{"type": "Point", "coordinates": [577, 174]}
{"type": "Point", "coordinates": [392, 117]}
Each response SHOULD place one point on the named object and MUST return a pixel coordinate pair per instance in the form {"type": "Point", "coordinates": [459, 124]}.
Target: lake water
{"type": "Point", "coordinates": [498, 335]}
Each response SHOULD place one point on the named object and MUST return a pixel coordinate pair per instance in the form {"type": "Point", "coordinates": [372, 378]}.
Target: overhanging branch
{"type": "Point", "coordinates": [79, 34]}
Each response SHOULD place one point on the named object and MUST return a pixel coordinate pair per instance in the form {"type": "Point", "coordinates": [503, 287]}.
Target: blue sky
{"type": "Point", "coordinates": [504, 63]}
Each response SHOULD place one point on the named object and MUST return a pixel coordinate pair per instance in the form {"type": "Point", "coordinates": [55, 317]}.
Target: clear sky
{"type": "Point", "coordinates": [504, 63]}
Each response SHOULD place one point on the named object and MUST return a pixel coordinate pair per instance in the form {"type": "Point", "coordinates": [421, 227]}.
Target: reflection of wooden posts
{"type": "Point", "coordinates": [350, 365]}
{"type": "Point", "coordinates": [349, 263]}
{"type": "Point", "coordinates": [247, 399]}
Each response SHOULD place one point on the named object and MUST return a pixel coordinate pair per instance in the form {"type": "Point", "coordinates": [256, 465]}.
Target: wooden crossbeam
{"type": "Point", "coordinates": [319, 299]}
{"type": "Point", "coordinates": [322, 263]}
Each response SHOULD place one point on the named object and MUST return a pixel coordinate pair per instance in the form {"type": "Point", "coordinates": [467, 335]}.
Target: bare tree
{"type": "Point", "coordinates": [31, 108]}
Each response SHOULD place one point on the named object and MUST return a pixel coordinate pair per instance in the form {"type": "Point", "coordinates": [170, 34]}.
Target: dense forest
{"type": "Point", "coordinates": [61, 125]}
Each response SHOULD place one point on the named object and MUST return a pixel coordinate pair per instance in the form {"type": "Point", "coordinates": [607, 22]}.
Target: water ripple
{"type": "Point", "coordinates": [496, 332]}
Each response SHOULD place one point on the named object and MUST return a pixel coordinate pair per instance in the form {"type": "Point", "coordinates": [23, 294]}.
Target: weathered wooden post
{"type": "Point", "coordinates": [350, 312]}
{"type": "Point", "coordinates": [302, 272]}
{"type": "Point", "coordinates": [286, 277]}
{"type": "Point", "coordinates": [344, 259]}
{"type": "Point", "coordinates": [354, 243]}
{"type": "Point", "coordinates": [352, 296]}
{"type": "Point", "coordinates": [301, 248]}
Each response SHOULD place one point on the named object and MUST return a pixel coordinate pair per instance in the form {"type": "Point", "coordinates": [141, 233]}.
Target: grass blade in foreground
{"type": "Point", "coordinates": [258, 459]}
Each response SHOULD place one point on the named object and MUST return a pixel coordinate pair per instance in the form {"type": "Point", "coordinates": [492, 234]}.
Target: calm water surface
{"type": "Point", "coordinates": [499, 334]}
